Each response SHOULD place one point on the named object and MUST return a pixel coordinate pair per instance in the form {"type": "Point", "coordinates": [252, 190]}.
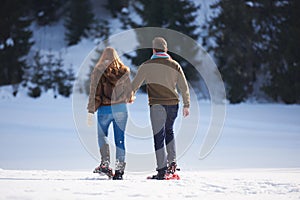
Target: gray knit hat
{"type": "Point", "coordinates": [159, 43]}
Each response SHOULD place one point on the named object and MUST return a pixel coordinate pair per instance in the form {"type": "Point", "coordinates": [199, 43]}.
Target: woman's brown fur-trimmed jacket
{"type": "Point", "coordinates": [109, 86]}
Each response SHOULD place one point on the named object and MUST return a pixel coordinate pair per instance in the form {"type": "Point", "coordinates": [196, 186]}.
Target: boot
{"type": "Point", "coordinates": [104, 168]}
{"type": "Point", "coordinates": [105, 154]}
{"type": "Point", "coordinates": [172, 167]}
{"type": "Point", "coordinates": [120, 166]}
{"type": "Point", "coordinates": [161, 174]}
{"type": "Point", "coordinates": [105, 161]}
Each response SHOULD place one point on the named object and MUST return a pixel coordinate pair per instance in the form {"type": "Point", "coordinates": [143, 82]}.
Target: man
{"type": "Point", "coordinates": [162, 75]}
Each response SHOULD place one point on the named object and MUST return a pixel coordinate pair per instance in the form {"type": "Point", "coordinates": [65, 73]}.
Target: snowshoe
{"type": "Point", "coordinates": [173, 176]}
{"type": "Point", "coordinates": [165, 177]}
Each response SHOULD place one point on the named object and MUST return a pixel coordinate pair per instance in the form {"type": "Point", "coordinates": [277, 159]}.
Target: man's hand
{"type": "Point", "coordinates": [90, 119]}
{"type": "Point", "coordinates": [186, 112]}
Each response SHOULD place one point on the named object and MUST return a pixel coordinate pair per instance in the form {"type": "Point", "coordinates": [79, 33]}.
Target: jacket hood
{"type": "Point", "coordinates": [113, 75]}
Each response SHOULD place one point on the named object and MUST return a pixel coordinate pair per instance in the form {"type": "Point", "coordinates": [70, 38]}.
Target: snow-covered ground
{"type": "Point", "coordinates": [267, 184]}
{"type": "Point", "coordinates": [41, 156]}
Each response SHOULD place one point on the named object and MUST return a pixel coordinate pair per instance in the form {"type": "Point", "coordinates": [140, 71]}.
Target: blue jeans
{"type": "Point", "coordinates": [162, 120]}
{"type": "Point", "coordinates": [119, 120]}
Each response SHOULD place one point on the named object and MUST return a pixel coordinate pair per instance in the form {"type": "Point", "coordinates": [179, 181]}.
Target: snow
{"type": "Point", "coordinates": [10, 42]}
{"type": "Point", "coordinates": [125, 10]}
{"type": "Point", "coordinates": [48, 37]}
{"type": "Point", "coordinates": [267, 184]}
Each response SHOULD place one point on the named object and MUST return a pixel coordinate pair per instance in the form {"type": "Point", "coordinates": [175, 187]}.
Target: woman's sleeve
{"type": "Point", "coordinates": [92, 95]}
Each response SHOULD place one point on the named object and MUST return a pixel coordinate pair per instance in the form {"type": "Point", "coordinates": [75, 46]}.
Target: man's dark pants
{"type": "Point", "coordinates": [162, 120]}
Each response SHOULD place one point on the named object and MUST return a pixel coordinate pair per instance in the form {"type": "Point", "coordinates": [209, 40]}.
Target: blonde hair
{"type": "Point", "coordinates": [109, 59]}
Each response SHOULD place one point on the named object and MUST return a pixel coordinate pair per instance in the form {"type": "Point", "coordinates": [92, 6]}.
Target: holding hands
{"type": "Point", "coordinates": [132, 98]}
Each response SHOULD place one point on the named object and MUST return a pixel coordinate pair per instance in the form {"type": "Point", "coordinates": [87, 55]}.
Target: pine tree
{"type": "Point", "coordinates": [254, 38]}
{"type": "Point", "coordinates": [48, 73]}
{"type": "Point", "coordinates": [178, 15]}
{"type": "Point", "coordinates": [233, 47]}
{"type": "Point", "coordinates": [100, 30]}
{"type": "Point", "coordinates": [290, 43]}
{"type": "Point", "coordinates": [46, 12]}
{"type": "Point", "coordinates": [280, 30]}
{"type": "Point", "coordinates": [34, 77]}
{"type": "Point", "coordinates": [55, 78]}
{"type": "Point", "coordinates": [63, 79]}
{"type": "Point", "coordinates": [15, 40]}
{"type": "Point", "coordinates": [115, 6]}
{"type": "Point", "coordinates": [79, 20]}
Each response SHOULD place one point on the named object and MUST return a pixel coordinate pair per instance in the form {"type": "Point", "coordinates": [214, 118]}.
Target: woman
{"type": "Point", "coordinates": [110, 90]}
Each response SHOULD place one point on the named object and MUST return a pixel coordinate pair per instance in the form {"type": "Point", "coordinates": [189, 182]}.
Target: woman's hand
{"type": "Point", "coordinates": [90, 119]}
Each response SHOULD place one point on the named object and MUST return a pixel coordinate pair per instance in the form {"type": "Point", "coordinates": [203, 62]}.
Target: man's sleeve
{"type": "Point", "coordinates": [138, 79]}
{"type": "Point", "coordinates": [184, 88]}
{"type": "Point", "coordinates": [127, 85]}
